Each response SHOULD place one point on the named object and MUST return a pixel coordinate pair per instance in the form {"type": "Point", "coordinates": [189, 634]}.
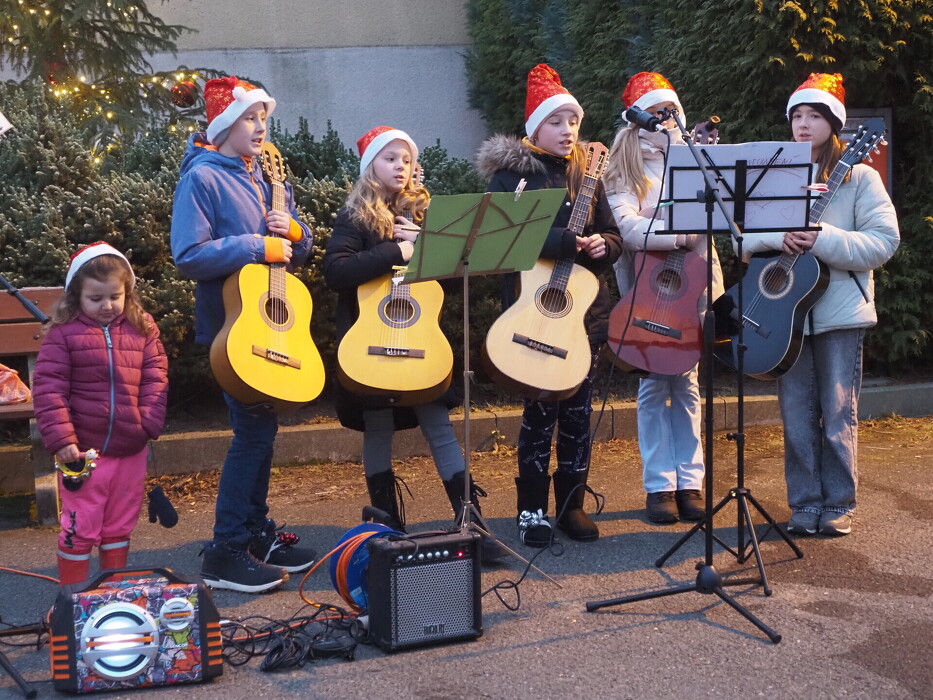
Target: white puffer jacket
{"type": "Point", "coordinates": [859, 233]}
{"type": "Point", "coordinates": [626, 208]}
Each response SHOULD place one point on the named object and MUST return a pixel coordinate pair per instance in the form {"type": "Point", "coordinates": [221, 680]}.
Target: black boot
{"type": "Point", "coordinates": [491, 550]}
{"type": "Point", "coordinates": [385, 494]}
{"type": "Point", "coordinates": [569, 490]}
{"type": "Point", "coordinates": [533, 493]}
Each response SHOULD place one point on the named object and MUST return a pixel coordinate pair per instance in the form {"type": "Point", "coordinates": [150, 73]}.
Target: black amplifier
{"type": "Point", "coordinates": [424, 589]}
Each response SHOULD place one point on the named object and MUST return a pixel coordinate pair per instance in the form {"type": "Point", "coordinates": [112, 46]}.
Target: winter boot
{"type": "Point", "coordinates": [73, 567]}
{"type": "Point", "coordinates": [490, 549]}
{"type": "Point", "coordinates": [533, 493]}
{"type": "Point", "coordinates": [386, 494]}
{"type": "Point", "coordinates": [113, 553]}
{"type": "Point", "coordinates": [569, 490]}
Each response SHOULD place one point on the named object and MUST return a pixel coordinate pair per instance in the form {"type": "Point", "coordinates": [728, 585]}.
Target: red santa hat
{"type": "Point", "coordinates": [378, 138]}
{"type": "Point", "coordinates": [226, 99]}
{"type": "Point", "coordinates": [545, 96]}
{"type": "Point", "coordinates": [645, 90]}
{"type": "Point", "coordinates": [88, 253]}
{"type": "Point", "coordinates": [821, 89]}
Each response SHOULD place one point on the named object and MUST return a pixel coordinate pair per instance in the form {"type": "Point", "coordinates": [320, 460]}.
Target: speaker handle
{"type": "Point", "coordinates": [121, 574]}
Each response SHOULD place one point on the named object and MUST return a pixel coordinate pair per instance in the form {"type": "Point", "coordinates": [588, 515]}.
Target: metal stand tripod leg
{"type": "Point", "coordinates": [27, 689]}
{"type": "Point", "coordinates": [23, 684]}
{"type": "Point", "coordinates": [470, 517]}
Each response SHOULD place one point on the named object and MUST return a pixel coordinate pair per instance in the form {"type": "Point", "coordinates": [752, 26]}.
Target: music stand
{"type": "Point", "coordinates": [775, 201]}
{"type": "Point", "coordinates": [709, 580]}
{"type": "Point", "coordinates": [481, 234]}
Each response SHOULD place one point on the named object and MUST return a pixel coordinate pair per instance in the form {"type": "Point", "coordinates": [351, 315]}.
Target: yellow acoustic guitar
{"type": "Point", "coordinates": [264, 352]}
{"type": "Point", "coordinates": [539, 345]}
{"type": "Point", "coordinates": [396, 347]}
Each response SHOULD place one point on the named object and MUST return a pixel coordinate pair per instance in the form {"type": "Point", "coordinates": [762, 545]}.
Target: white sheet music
{"type": "Point", "coordinates": [776, 196]}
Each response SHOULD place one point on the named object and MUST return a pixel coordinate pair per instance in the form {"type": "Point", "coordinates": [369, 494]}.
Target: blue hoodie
{"type": "Point", "coordinates": [218, 226]}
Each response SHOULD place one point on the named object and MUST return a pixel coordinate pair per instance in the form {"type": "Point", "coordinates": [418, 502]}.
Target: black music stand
{"type": "Point", "coordinates": [481, 234]}
{"type": "Point", "coordinates": [709, 580]}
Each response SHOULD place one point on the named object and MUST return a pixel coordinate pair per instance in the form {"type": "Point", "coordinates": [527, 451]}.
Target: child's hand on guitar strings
{"type": "Point", "coordinates": [278, 222]}
{"type": "Point", "coordinates": [405, 230]}
{"type": "Point", "coordinates": [796, 242]}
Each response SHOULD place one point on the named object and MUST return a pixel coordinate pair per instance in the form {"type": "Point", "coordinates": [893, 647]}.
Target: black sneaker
{"type": "Point", "coordinates": [225, 566]}
{"type": "Point", "coordinates": [662, 508]}
{"type": "Point", "coordinates": [278, 548]}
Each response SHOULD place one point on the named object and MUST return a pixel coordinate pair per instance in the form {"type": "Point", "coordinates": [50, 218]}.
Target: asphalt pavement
{"type": "Point", "coordinates": [853, 614]}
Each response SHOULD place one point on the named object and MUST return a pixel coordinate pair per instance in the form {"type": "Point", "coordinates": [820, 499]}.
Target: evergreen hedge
{"type": "Point", "coordinates": [740, 59]}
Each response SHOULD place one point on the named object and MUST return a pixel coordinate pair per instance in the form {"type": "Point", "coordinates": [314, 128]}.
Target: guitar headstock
{"type": "Point", "coordinates": [597, 158]}
{"type": "Point", "coordinates": [866, 139]}
{"type": "Point", "coordinates": [706, 133]}
{"type": "Point", "coordinates": [273, 165]}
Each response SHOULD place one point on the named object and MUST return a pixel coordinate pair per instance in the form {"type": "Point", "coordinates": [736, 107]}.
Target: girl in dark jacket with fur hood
{"type": "Point", "coordinates": [551, 156]}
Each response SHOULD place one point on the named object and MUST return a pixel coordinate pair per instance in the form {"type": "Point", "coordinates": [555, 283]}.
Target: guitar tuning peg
{"type": "Point", "coordinates": [882, 142]}
{"type": "Point", "coordinates": [869, 159]}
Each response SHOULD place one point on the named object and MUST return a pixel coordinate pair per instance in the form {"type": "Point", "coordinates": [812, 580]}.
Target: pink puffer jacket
{"type": "Point", "coordinates": [101, 388]}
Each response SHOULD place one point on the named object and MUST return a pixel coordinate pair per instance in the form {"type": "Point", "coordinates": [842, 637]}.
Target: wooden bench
{"type": "Point", "coordinates": [21, 336]}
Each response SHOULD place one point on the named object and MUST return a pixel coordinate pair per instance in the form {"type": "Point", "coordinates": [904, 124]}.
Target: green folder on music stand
{"type": "Point", "coordinates": [484, 234]}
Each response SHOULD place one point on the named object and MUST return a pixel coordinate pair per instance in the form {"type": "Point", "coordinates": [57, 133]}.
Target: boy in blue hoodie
{"type": "Point", "coordinates": [221, 221]}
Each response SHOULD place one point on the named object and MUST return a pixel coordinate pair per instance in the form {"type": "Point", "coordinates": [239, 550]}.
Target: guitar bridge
{"type": "Point", "coordinates": [387, 351]}
{"type": "Point", "coordinates": [757, 327]}
{"type": "Point", "coordinates": [539, 346]}
{"type": "Point", "coordinates": [659, 328]}
{"type": "Point", "coordinates": [276, 356]}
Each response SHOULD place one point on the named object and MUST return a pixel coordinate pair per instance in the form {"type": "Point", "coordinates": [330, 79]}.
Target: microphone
{"type": "Point", "coordinates": [643, 119]}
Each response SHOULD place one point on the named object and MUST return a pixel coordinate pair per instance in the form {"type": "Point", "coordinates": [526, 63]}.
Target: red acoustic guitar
{"type": "Point", "coordinates": [655, 327]}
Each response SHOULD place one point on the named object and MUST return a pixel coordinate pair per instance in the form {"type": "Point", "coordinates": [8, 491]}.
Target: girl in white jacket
{"type": "Point", "coordinates": [819, 394]}
{"type": "Point", "coordinates": [668, 405]}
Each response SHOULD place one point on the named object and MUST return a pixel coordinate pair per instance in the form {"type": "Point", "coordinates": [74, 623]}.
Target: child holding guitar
{"type": "Point", "coordinates": [668, 403]}
{"type": "Point", "coordinates": [373, 236]}
{"type": "Point", "coordinates": [222, 222]}
{"type": "Point", "coordinates": [551, 156]}
{"type": "Point", "coordinates": [858, 232]}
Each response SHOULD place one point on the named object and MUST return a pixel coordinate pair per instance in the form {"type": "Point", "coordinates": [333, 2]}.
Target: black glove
{"type": "Point", "coordinates": [727, 324]}
{"type": "Point", "coordinates": [161, 509]}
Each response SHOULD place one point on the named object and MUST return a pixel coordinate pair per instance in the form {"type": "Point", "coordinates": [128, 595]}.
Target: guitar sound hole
{"type": "Point", "coordinates": [775, 280]}
{"type": "Point", "coordinates": [399, 311]}
{"type": "Point", "coordinates": [554, 302]}
{"type": "Point", "coordinates": [276, 310]}
{"type": "Point", "coordinates": [669, 282]}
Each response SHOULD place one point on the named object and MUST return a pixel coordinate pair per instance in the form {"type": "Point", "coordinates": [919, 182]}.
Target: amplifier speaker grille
{"type": "Point", "coordinates": [424, 590]}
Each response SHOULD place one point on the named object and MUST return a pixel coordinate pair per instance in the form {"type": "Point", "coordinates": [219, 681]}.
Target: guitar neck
{"type": "Point", "coordinates": [581, 206]}
{"type": "Point", "coordinates": [835, 180]}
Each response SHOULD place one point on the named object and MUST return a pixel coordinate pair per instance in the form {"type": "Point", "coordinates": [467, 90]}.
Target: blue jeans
{"type": "Point", "coordinates": [572, 418]}
{"type": "Point", "coordinates": [819, 407]}
{"type": "Point", "coordinates": [244, 480]}
{"type": "Point", "coordinates": [669, 433]}
{"type": "Point", "coordinates": [434, 421]}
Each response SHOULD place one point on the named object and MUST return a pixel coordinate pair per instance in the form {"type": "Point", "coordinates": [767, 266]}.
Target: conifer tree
{"type": "Point", "coordinates": [93, 55]}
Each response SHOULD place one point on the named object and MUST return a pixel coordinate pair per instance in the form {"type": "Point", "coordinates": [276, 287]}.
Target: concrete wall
{"type": "Point", "coordinates": [358, 64]}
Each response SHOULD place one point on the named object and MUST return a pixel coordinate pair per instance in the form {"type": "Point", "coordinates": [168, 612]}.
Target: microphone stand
{"type": "Point", "coordinates": [708, 580]}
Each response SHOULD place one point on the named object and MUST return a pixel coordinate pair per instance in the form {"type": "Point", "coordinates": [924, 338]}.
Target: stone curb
{"type": "Point", "coordinates": [182, 453]}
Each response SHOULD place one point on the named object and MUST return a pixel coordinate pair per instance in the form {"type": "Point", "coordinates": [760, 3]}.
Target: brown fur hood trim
{"type": "Point", "coordinates": [505, 152]}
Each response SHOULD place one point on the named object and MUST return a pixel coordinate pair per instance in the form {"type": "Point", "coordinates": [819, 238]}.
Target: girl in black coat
{"type": "Point", "coordinates": [551, 156]}
{"type": "Point", "coordinates": [370, 239]}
